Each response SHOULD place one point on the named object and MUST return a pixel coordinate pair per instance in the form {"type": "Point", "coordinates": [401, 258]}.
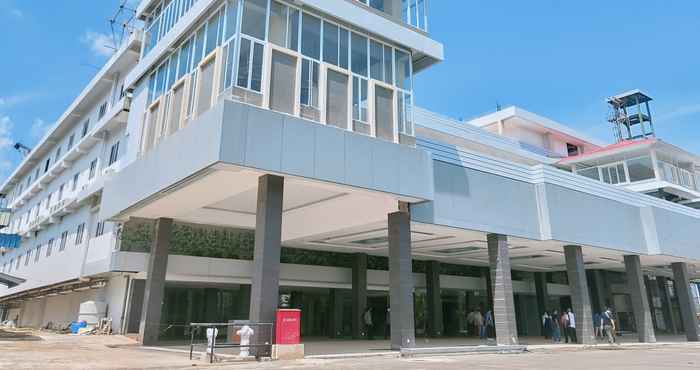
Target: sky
{"type": "Point", "coordinates": [559, 59]}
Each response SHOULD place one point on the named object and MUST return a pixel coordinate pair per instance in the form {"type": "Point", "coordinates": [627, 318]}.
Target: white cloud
{"type": "Point", "coordinates": [17, 13]}
{"type": "Point", "coordinates": [100, 43]}
{"type": "Point", "coordinates": [10, 101]}
{"type": "Point", "coordinates": [39, 127]}
{"type": "Point", "coordinates": [6, 126]}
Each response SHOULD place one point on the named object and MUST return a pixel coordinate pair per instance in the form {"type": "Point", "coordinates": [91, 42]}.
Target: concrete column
{"type": "Point", "coordinates": [652, 291]}
{"type": "Point", "coordinates": [401, 281]}
{"type": "Point", "coordinates": [666, 304]}
{"type": "Point", "coordinates": [578, 284]}
{"type": "Point", "coordinates": [336, 313]}
{"type": "Point", "coordinates": [359, 294]}
{"type": "Point", "coordinates": [432, 281]}
{"type": "Point", "coordinates": [640, 302]}
{"type": "Point", "coordinates": [502, 285]}
{"type": "Point", "coordinates": [542, 295]}
{"type": "Point", "coordinates": [264, 291]}
{"type": "Point", "coordinates": [155, 283]}
{"type": "Point", "coordinates": [685, 300]}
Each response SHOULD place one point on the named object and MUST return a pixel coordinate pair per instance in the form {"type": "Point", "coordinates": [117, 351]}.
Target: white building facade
{"type": "Point", "coordinates": [234, 150]}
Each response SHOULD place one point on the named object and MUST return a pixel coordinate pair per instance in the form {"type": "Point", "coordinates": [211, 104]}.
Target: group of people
{"type": "Point", "coordinates": [556, 325]}
{"type": "Point", "coordinates": [481, 325]}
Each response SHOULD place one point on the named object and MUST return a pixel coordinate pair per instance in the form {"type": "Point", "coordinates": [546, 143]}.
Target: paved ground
{"type": "Point", "coordinates": [38, 350]}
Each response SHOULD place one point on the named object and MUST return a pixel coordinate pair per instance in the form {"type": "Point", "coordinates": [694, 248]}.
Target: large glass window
{"type": "Point", "coordinates": [309, 83]}
{"type": "Point", "coordinates": [184, 59]}
{"type": "Point", "coordinates": [250, 62]}
{"type": "Point", "coordinates": [284, 26]}
{"type": "Point", "coordinates": [359, 99]}
{"type": "Point", "coordinates": [337, 99]}
{"type": "Point", "coordinates": [254, 14]}
{"type": "Point", "coordinates": [614, 174]}
{"type": "Point", "coordinates": [214, 26]}
{"type": "Point", "coordinates": [311, 36]}
{"type": "Point", "coordinates": [282, 78]}
{"type": "Point", "coordinates": [405, 113]}
{"type": "Point", "coordinates": [359, 54]}
{"type": "Point", "coordinates": [231, 18]}
{"type": "Point", "coordinates": [591, 173]}
{"type": "Point", "coordinates": [403, 70]}
{"type": "Point", "coordinates": [330, 43]}
{"type": "Point", "coordinates": [640, 169]}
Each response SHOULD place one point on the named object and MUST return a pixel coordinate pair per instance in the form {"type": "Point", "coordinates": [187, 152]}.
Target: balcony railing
{"type": "Point", "coordinates": [679, 176]}
{"type": "Point", "coordinates": [164, 21]}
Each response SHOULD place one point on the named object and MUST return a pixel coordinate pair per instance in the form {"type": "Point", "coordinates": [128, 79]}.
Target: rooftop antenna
{"type": "Point", "coordinates": [23, 149]}
{"type": "Point", "coordinates": [498, 106]}
{"type": "Point", "coordinates": [630, 116]}
{"type": "Point", "coordinates": [120, 24]}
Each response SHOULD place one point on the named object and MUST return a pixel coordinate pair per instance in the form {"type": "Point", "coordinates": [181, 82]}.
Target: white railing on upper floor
{"type": "Point", "coordinates": [161, 24]}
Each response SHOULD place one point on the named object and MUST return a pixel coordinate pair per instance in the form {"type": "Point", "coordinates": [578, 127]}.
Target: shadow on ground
{"type": "Point", "coordinates": [14, 335]}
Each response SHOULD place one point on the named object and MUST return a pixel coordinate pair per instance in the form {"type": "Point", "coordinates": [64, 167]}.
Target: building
{"type": "Point", "coordinates": [235, 150]}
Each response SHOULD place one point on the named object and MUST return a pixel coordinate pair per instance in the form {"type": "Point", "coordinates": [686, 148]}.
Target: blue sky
{"type": "Point", "coordinates": [560, 59]}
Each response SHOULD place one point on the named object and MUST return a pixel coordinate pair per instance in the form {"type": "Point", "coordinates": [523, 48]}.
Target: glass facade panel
{"type": "Point", "coordinates": [384, 112]}
{"type": "Point", "coordinates": [311, 36]}
{"type": "Point", "coordinates": [376, 59]}
{"type": "Point", "coordinates": [591, 173]}
{"type": "Point", "coordinates": [330, 43]}
{"type": "Point", "coordinates": [283, 75]}
{"type": "Point", "coordinates": [243, 63]}
{"type": "Point", "coordinates": [254, 14]}
{"type": "Point", "coordinates": [359, 54]}
{"type": "Point", "coordinates": [403, 70]}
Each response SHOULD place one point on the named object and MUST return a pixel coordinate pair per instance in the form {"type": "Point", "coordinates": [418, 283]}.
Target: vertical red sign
{"type": "Point", "coordinates": [288, 326]}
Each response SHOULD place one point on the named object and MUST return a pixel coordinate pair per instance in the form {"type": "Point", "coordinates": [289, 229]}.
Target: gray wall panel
{"type": "Point", "coordinates": [476, 200]}
{"type": "Point", "coordinates": [578, 217]}
{"type": "Point", "coordinates": [678, 234]}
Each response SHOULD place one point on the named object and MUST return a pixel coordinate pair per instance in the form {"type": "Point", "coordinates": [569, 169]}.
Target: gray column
{"type": "Point", "coordinates": [434, 298]}
{"type": "Point", "coordinates": [685, 300]}
{"type": "Point", "coordinates": [542, 294]}
{"type": "Point", "coordinates": [503, 301]}
{"type": "Point", "coordinates": [155, 283]}
{"type": "Point", "coordinates": [401, 281]}
{"type": "Point", "coordinates": [666, 304]}
{"type": "Point", "coordinates": [652, 292]}
{"type": "Point", "coordinates": [640, 303]}
{"type": "Point", "coordinates": [359, 294]}
{"type": "Point", "coordinates": [264, 291]}
{"type": "Point", "coordinates": [578, 284]}
{"type": "Point", "coordinates": [601, 289]}
{"type": "Point", "coordinates": [336, 313]}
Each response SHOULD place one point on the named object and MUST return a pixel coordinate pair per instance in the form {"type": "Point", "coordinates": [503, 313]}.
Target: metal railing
{"type": "Point", "coordinates": [253, 339]}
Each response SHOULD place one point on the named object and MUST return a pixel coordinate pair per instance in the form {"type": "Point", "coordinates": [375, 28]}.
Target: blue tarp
{"type": "Point", "coordinates": [10, 240]}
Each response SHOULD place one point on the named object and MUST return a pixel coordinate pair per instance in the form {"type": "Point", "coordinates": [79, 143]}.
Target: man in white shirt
{"type": "Point", "coordinates": [571, 328]}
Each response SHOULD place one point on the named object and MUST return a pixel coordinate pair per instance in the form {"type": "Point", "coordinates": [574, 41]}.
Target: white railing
{"type": "Point", "coordinates": [679, 176]}
{"type": "Point", "coordinates": [164, 22]}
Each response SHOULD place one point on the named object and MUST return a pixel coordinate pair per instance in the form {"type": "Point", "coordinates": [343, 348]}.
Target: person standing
{"type": "Point", "coordinates": [564, 325]}
{"type": "Point", "coordinates": [609, 325]}
{"type": "Point", "coordinates": [478, 322]}
{"type": "Point", "coordinates": [597, 318]}
{"type": "Point", "coordinates": [367, 319]}
{"type": "Point", "coordinates": [546, 325]}
{"type": "Point", "coordinates": [556, 327]}
{"type": "Point", "coordinates": [487, 328]}
{"type": "Point", "coordinates": [571, 327]}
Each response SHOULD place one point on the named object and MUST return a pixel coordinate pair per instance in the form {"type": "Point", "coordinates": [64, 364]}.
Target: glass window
{"type": "Point", "coordinates": [283, 76]}
{"type": "Point", "coordinates": [376, 58]}
{"type": "Point", "coordinates": [330, 43]}
{"type": "Point", "coordinates": [405, 113]}
{"type": "Point", "coordinates": [388, 65]}
{"type": "Point", "coordinates": [403, 70]}
{"type": "Point", "coordinates": [284, 26]}
{"type": "Point", "coordinates": [591, 173]}
{"type": "Point", "coordinates": [640, 169]}
{"type": "Point", "coordinates": [212, 33]}
{"type": "Point", "coordinates": [206, 81]}
{"type": "Point", "coordinates": [337, 99]}
{"type": "Point", "coordinates": [359, 99]}
{"type": "Point", "coordinates": [384, 112]}
{"type": "Point", "coordinates": [254, 14]}
{"type": "Point", "coordinates": [311, 36]}
{"type": "Point", "coordinates": [309, 83]}
{"type": "Point", "coordinates": [244, 63]}
{"type": "Point", "coordinates": [344, 48]}
{"type": "Point", "coordinates": [184, 57]}
{"type": "Point", "coordinates": [198, 48]}
{"type": "Point", "coordinates": [228, 69]}
{"type": "Point", "coordinates": [359, 54]}
{"type": "Point", "coordinates": [231, 18]}
{"type": "Point", "coordinates": [256, 70]}
{"type": "Point", "coordinates": [172, 72]}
